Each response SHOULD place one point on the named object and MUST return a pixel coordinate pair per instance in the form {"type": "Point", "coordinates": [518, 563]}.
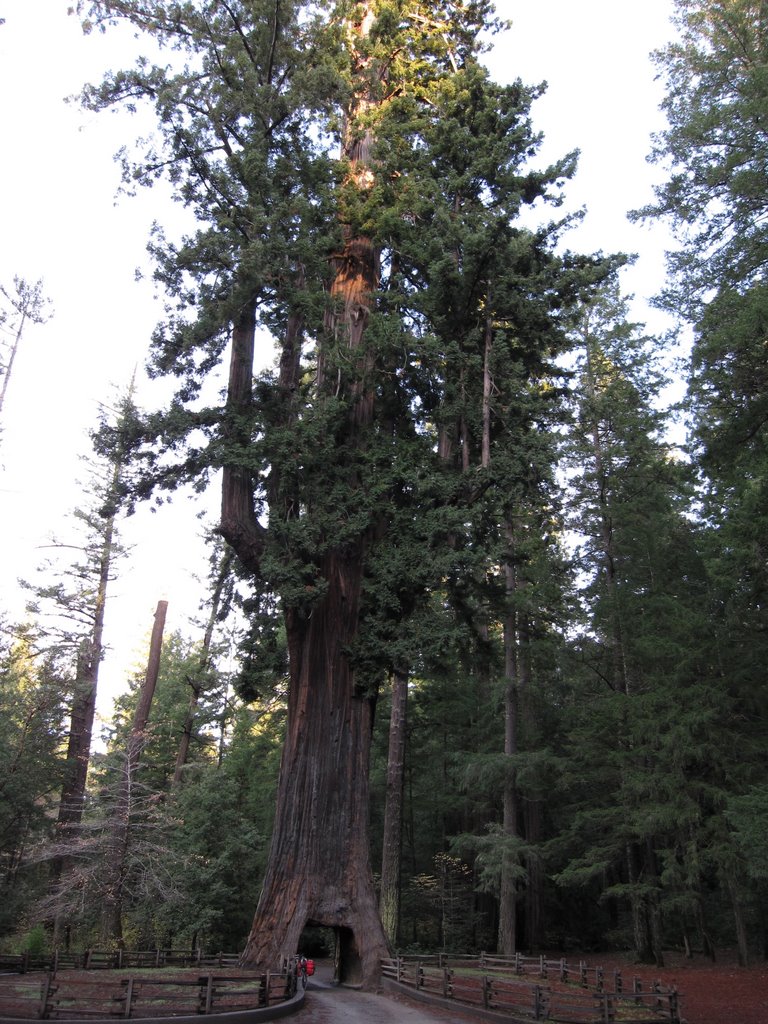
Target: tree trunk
{"type": "Point", "coordinates": [507, 940]}
{"type": "Point", "coordinates": [120, 825]}
{"type": "Point", "coordinates": [28, 304]}
{"type": "Point", "coordinates": [485, 455]}
{"type": "Point", "coordinates": [78, 745]}
{"type": "Point", "coordinates": [389, 898]}
{"type": "Point", "coordinates": [196, 684]}
{"type": "Point", "coordinates": [532, 806]}
{"type": "Point", "coordinates": [239, 525]}
{"type": "Point", "coordinates": [742, 944]}
{"type": "Point", "coordinates": [319, 869]}
{"type": "Point", "coordinates": [72, 802]}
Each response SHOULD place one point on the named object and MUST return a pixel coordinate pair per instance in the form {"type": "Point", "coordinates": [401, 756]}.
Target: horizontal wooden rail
{"type": "Point", "coordinates": [564, 994]}
{"type": "Point", "coordinates": [74, 995]}
{"type": "Point", "coordinates": [121, 959]}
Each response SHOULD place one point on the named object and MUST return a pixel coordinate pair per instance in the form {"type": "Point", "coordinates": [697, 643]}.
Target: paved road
{"type": "Point", "coordinates": [327, 1004]}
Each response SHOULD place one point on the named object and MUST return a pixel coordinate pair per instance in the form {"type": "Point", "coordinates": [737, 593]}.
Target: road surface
{"type": "Point", "coordinates": [328, 1004]}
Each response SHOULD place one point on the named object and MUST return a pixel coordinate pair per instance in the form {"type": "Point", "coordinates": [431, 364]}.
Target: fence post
{"type": "Point", "coordinates": [599, 979]}
{"type": "Point", "coordinates": [446, 981]}
{"type": "Point", "coordinates": [583, 974]}
{"type": "Point", "coordinates": [128, 998]}
{"type": "Point", "coordinates": [208, 1000]}
{"type": "Point", "coordinates": [563, 970]}
{"type": "Point", "coordinates": [606, 1008]}
{"type": "Point", "coordinates": [45, 991]}
{"type": "Point", "coordinates": [674, 1007]}
{"type": "Point", "coordinates": [617, 982]}
{"type": "Point", "coordinates": [537, 1007]}
{"type": "Point", "coordinates": [657, 992]}
{"type": "Point", "coordinates": [420, 977]}
{"type": "Point", "coordinates": [487, 992]}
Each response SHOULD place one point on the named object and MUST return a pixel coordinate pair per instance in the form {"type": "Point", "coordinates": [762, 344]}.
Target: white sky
{"type": "Point", "coordinates": [59, 220]}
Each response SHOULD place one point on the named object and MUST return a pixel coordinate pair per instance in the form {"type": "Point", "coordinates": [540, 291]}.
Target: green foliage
{"type": "Point", "coordinates": [418, 438]}
{"type": "Point", "coordinates": [715, 195]}
{"type": "Point", "coordinates": [180, 670]}
{"type": "Point", "coordinates": [35, 941]}
{"type": "Point", "coordinates": [32, 708]}
{"type": "Point", "coordinates": [716, 102]}
{"type": "Point", "coordinates": [222, 823]}
{"type": "Point", "coordinates": [747, 814]}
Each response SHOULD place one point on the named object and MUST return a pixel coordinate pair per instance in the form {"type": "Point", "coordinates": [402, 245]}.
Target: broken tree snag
{"type": "Point", "coordinates": [119, 824]}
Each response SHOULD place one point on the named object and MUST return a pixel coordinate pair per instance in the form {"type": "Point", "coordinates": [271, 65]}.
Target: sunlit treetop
{"type": "Point", "coordinates": [716, 145]}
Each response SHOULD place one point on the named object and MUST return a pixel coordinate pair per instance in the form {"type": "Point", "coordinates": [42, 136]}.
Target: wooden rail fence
{"type": "Point", "coordinates": [564, 993]}
{"type": "Point", "coordinates": [75, 996]}
{"type": "Point", "coordinates": [120, 959]}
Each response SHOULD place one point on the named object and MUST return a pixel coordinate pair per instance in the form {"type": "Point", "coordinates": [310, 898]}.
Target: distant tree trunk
{"type": "Point", "coordinates": [28, 303]}
{"type": "Point", "coordinates": [9, 365]}
{"type": "Point", "coordinates": [534, 892]}
{"type": "Point", "coordinates": [78, 745]}
{"type": "Point", "coordinates": [72, 801]}
{"type": "Point", "coordinates": [531, 812]}
{"type": "Point", "coordinates": [391, 861]}
{"type": "Point", "coordinates": [119, 826]}
{"type": "Point", "coordinates": [742, 944]}
{"type": "Point", "coordinates": [485, 455]}
{"type": "Point", "coordinates": [643, 906]}
{"type": "Point", "coordinates": [196, 683]}
{"type": "Point", "coordinates": [507, 939]}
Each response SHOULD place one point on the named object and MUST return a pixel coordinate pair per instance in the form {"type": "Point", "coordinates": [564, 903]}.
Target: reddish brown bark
{"type": "Point", "coordinates": [319, 865]}
{"type": "Point", "coordinates": [239, 525]}
{"type": "Point", "coordinates": [83, 711]}
{"type": "Point", "coordinates": [507, 936]}
{"type": "Point", "coordinates": [319, 869]}
{"type": "Point", "coordinates": [119, 826]}
{"type": "Point", "coordinates": [391, 859]}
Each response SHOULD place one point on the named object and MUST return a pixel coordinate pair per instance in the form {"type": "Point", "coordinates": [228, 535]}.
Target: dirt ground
{"type": "Point", "coordinates": [710, 993]}
{"type": "Point", "coordinates": [719, 993]}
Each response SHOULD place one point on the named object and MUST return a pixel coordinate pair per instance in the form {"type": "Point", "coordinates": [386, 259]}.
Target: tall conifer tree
{"type": "Point", "coordinates": [372, 264]}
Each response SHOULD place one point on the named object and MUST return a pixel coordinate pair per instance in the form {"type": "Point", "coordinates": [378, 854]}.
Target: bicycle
{"type": "Point", "coordinates": [300, 967]}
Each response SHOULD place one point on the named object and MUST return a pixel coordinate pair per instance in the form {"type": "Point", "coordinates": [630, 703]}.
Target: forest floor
{"type": "Point", "coordinates": [710, 993]}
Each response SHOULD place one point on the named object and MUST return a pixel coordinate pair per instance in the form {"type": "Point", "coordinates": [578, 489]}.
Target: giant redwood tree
{"type": "Point", "coordinates": [357, 181]}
